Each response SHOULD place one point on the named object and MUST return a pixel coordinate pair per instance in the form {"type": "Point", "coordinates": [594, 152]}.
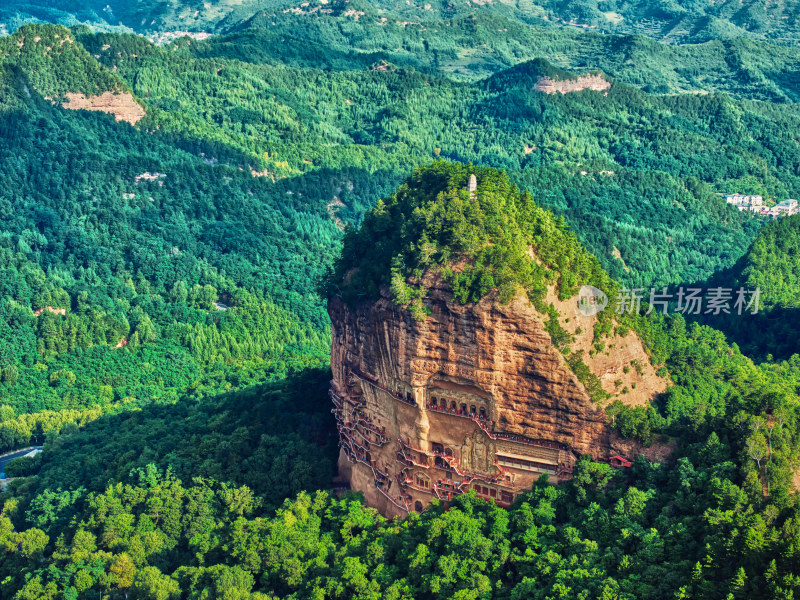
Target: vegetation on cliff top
{"type": "Point", "coordinates": [479, 241]}
{"type": "Point", "coordinates": [492, 238]}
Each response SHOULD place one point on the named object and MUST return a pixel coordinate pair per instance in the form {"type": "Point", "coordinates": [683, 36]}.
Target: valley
{"type": "Point", "coordinates": [291, 302]}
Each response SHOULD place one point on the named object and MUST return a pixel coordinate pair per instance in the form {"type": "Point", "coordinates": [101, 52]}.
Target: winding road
{"type": "Point", "coordinates": [12, 455]}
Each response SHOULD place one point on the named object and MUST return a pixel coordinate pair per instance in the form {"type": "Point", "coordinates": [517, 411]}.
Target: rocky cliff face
{"type": "Point", "coordinates": [121, 105]}
{"type": "Point", "coordinates": [475, 396]}
{"type": "Point", "coordinates": [584, 82]}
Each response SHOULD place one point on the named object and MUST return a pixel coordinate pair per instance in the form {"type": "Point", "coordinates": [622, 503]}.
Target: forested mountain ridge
{"type": "Point", "coordinates": [472, 42]}
{"type": "Point", "coordinates": [672, 22]}
{"type": "Point", "coordinates": [160, 327]}
{"type": "Point", "coordinates": [475, 46]}
{"type": "Point", "coordinates": [100, 302]}
{"type": "Point", "coordinates": [260, 165]}
{"type": "Point", "coordinates": [144, 16]}
{"type": "Point", "coordinates": [54, 64]}
{"type": "Point", "coordinates": [542, 138]}
{"type": "Point", "coordinates": [771, 264]}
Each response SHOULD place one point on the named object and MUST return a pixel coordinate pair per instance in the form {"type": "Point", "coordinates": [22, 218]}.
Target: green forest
{"type": "Point", "coordinates": [771, 266]}
{"type": "Point", "coordinates": [163, 331]}
{"type": "Point", "coordinates": [208, 499]}
{"type": "Point", "coordinates": [667, 21]}
{"type": "Point", "coordinates": [197, 237]}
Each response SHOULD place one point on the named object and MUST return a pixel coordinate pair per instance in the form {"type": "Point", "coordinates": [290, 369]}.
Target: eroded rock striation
{"type": "Point", "coordinates": [474, 396]}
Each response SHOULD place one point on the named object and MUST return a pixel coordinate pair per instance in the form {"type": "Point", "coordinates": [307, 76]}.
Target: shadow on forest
{"type": "Point", "coordinates": [277, 438]}
{"type": "Point", "coordinates": [772, 334]}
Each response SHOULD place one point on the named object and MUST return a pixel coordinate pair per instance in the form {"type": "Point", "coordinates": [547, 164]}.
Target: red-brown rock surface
{"type": "Point", "coordinates": [496, 361]}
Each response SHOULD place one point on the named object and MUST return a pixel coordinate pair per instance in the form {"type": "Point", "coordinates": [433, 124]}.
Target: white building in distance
{"type": "Point", "coordinates": [744, 199]}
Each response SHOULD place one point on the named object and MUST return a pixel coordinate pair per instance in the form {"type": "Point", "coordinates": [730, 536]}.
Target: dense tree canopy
{"type": "Point", "coordinates": [682, 22]}
{"type": "Point", "coordinates": [196, 237]}
{"type": "Point", "coordinates": [771, 267]}
{"type": "Point", "coordinates": [161, 333]}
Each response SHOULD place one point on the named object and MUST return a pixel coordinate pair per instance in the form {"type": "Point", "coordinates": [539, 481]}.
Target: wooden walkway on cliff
{"type": "Point", "coordinates": [482, 422]}
{"type": "Point", "coordinates": [356, 452]}
{"type": "Point", "coordinates": [444, 490]}
{"type": "Point", "coordinates": [393, 393]}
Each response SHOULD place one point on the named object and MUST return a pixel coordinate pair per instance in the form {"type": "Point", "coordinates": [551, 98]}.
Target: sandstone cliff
{"type": "Point", "coordinates": [475, 395]}
{"type": "Point", "coordinates": [448, 378]}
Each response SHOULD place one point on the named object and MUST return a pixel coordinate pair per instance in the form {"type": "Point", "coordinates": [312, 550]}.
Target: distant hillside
{"type": "Point", "coordinates": [132, 268]}
{"type": "Point", "coordinates": [461, 40]}
{"type": "Point", "coordinates": [55, 64]}
{"type": "Point", "coordinates": [672, 22]}
{"type": "Point", "coordinates": [477, 45]}
{"type": "Point", "coordinates": [47, 60]}
{"type": "Point", "coordinates": [635, 174]}
{"type": "Point", "coordinates": [773, 264]}
{"type": "Point", "coordinates": [681, 22]}
{"type": "Point", "coordinates": [139, 15]}
{"type": "Point", "coordinates": [258, 167]}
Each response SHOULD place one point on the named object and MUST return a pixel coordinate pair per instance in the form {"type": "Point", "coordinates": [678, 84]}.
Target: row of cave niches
{"type": "Point", "coordinates": [443, 405]}
{"type": "Point", "coordinates": [435, 472]}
